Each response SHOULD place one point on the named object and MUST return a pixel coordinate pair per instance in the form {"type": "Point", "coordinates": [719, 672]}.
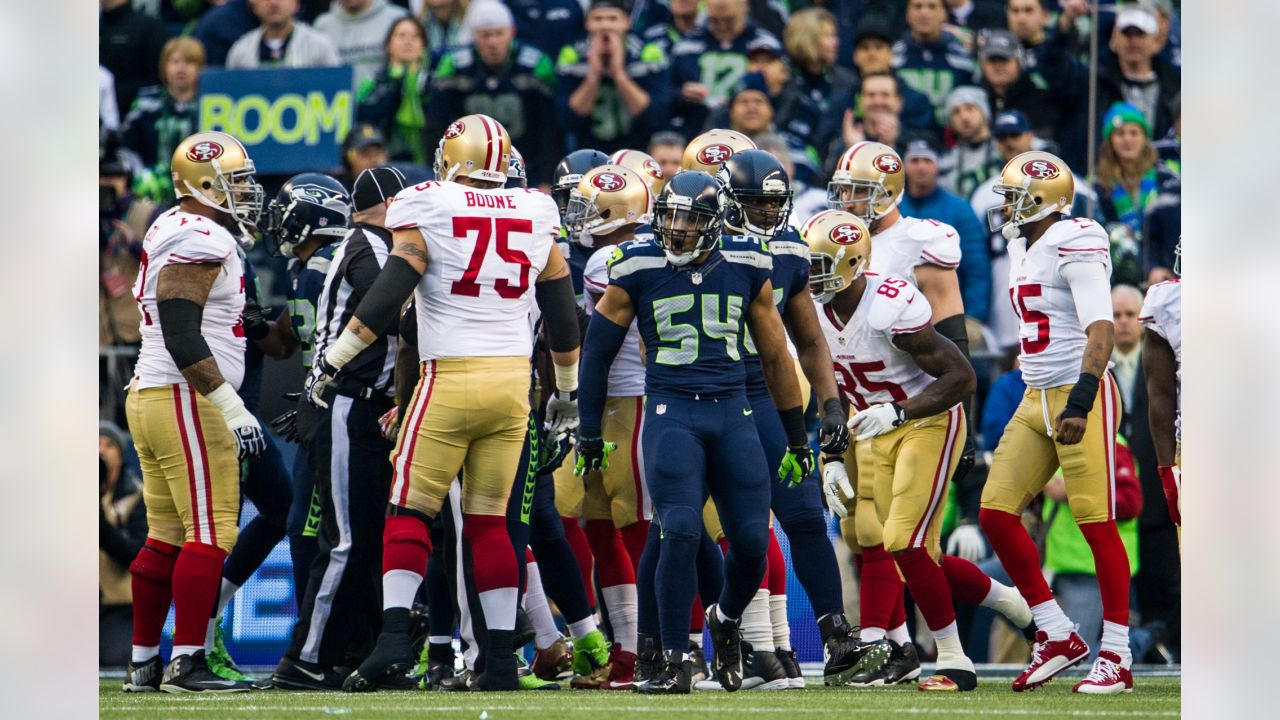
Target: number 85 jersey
{"type": "Point", "coordinates": [1049, 332]}
{"type": "Point", "coordinates": [870, 369]}
{"type": "Point", "coordinates": [485, 249]}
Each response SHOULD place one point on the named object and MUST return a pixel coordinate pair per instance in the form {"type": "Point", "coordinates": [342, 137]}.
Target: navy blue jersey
{"type": "Point", "coordinates": [576, 256]}
{"type": "Point", "coordinates": [306, 280]}
{"type": "Point", "coordinates": [691, 318]}
{"type": "Point", "coordinates": [251, 385]}
{"type": "Point", "coordinates": [701, 58]}
{"type": "Point", "coordinates": [790, 275]}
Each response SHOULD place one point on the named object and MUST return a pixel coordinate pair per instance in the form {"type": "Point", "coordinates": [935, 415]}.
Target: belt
{"type": "Point", "coordinates": [348, 388]}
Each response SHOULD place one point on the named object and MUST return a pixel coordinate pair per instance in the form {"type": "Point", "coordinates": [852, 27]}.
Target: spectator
{"type": "Point", "coordinates": [164, 115]}
{"type": "Point", "coordinates": [667, 149]}
{"type": "Point", "coordinates": [395, 98]}
{"type": "Point", "coordinates": [443, 20]}
{"type": "Point", "coordinates": [359, 29]}
{"type": "Point", "coordinates": [220, 27]}
{"type": "Point", "coordinates": [684, 20]}
{"type": "Point", "coordinates": [1137, 75]}
{"type": "Point", "coordinates": [1008, 87]}
{"type": "Point", "coordinates": [1169, 148]}
{"type": "Point", "coordinates": [649, 13]}
{"type": "Point", "coordinates": [108, 112]}
{"type": "Point", "coordinates": [123, 221]}
{"type": "Point", "coordinates": [1130, 178]}
{"type": "Point", "coordinates": [122, 529]}
{"type": "Point", "coordinates": [1027, 20]}
{"type": "Point", "coordinates": [548, 24]}
{"type": "Point", "coordinates": [924, 198]}
{"type": "Point", "coordinates": [975, 157]}
{"type": "Point", "coordinates": [975, 15]}
{"type": "Point", "coordinates": [929, 59]}
{"type": "Point", "coordinates": [1169, 32]}
{"type": "Point", "coordinates": [365, 148]}
{"type": "Point", "coordinates": [281, 41]}
{"type": "Point", "coordinates": [750, 110]}
{"type": "Point", "coordinates": [812, 45]}
{"type": "Point", "coordinates": [504, 79]}
{"type": "Point", "coordinates": [706, 67]}
{"type": "Point", "coordinates": [876, 114]}
{"type": "Point", "coordinates": [129, 44]}
{"type": "Point", "coordinates": [613, 90]}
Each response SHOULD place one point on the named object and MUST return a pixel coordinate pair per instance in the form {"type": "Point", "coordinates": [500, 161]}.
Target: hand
{"type": "Point", "coordinates": [595, 56]}
{"type": "Point", "coordinates": [967, 457]}
{"type": "Point", "coordinates": [833, 434]}
{"type": "Point", "coordinates": [1171, 481]}
{"type": "Point", "coordinates": [695, 93]}
{"type": "Point", "coordinates": [248, 432]}
{"type": "Point", "coordinates": [593, 454]}
{"type": "Point", "coordinates": [286, 425]}
{"type": "Point", "coordinates": [552, 450]}
{"type": "Point", "coordinates": [1069, 430]}
{"type": "Point", "coordinates": [562, 412]}
{"type": "Point", "coordinates": [966, 543]}
{"type": "Point", "coordinates": [318, 381]}
{"type": "Point", "coordinates": [851, 130]}
{"type": "Point", "coordinates": [877, 420]}
{"type": "Point", "coordinates": [1071, 9]}
{"type": "Point", "coordinates": [255, 321]}
{"type": "Point", "coordinates": [1056, 489]}
{"type": "Point", "coordinates": [617, 57]}
{"type": "Point", "coordinates": [835, 483]}
{"type": "Point", "coordinates": [389, 424]}
{"type": "Point", "coordinates": [796, 466]}
{"type": "Point", "coordinates": [887, 128]}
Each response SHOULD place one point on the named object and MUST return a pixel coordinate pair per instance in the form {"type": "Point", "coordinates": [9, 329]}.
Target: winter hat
{"type": "Point", "coordinates": [1120, 114]}
{"type": "Point", "coordinates": [969, 95]}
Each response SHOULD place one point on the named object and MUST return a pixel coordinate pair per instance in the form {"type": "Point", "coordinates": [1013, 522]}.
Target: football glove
{"type": "Point", "coordinates": [389, 424]}
{"type": "Point", "coordinates": [966, 543]}
{"type": "Point", "coordinates": [285, 425]}
{"type": "Point", "coordinates": [835, 480]}
{"type": "Point", "coordinates": [833, 433]}
{"type": "Point", "coordinates": [796, 466]}
{"type": "Point", "coordinates": [593, 454]}
{"type": "Point", "coordinates": [255, 321]}
{"type": "Point", "coordinates": [250, 440]}
{"type": "Point", "coordinates": [877, 420]}
{"type": "Point", "coordinates": [552, 451]}
{"type": "Point", "coordinates": [1171, 481]}
{"type": "Point", "coordinates": [318, 381]}
{"type": "Point", "coordinates": [968, 455]}
{"type": "Point", "coordinates": [562, 412]}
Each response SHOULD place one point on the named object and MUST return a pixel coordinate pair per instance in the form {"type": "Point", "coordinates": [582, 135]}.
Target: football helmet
{"type": "Point", "coordinates": [215, 169]}
{"type": "Point", "coordinates": [870, 173]}
{"type": "Point", "coordinates": [710, 149]}
{"type": "Point", "coordinates": [1034, 184]}
{"type": "Point", "coordinates": [570, 170]}
{"type": "Point", "coordinates": [474, 146]}
{"type": "Point", "coordinates": [516, 176]}
{"type": "Point", "coordinates": [686, 217]}
{"type": "Point", "coordinates": [607, 198]}
{"type": "Point", "coordinates": [755, 193]}
{"type": "Point", "coordinates": [308, 205]}
{"type": "Point", "coordinates": [839, 252]}
{"type": "Point", "coordinates": [644, 165]}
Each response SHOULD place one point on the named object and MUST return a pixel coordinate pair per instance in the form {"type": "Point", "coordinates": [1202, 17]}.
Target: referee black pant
{"type": "Point", "coordinates": [340, 611]}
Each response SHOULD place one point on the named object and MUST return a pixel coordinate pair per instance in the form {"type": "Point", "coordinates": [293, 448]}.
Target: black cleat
{"type": "Point", "coordinates": [648, 659]}
{"type": "Point", "coordinates": [795, 678]}
{"type": "Point", "coordinates": [293, 674]}
{"type": "Point", "coordinates": [144, 677]}
{"type": "Point", "coordinates": [524, 632]}
{"type": "Point", "coordinates": [904, 665]}
{"type": "Point", "coordinates": [873, 656]}
{"type": "Point", "coordinates": [461, 682]}
{"type": "Point", "coordinates": [499, 675]}
{"type": "Point", "coordinates": [840, 645]}
{"type": "Point", "coordinates": [726, 639]}
{"type": "Point", "coordinates": [391, 656]}
{"type": "Point", "coordinates": [698, 659]}
{"type": "Point", "coordinates": [437, 673]}
{"type": "Point", "coordinates": [762, 670]}
{"type": "Point", "coordinates": [191, 674]}
{"type": "Point", "coordinates": [673, 679]}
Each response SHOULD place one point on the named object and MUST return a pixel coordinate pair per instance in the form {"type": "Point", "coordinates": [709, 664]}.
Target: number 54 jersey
{"type": "Point", "coordinates": [485, 249]}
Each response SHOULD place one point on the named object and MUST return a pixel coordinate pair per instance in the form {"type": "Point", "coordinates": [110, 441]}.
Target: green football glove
{"type": "Point", "coordinates": [796, 465]}
{"type": "Point", "coordinates": [593, 454]}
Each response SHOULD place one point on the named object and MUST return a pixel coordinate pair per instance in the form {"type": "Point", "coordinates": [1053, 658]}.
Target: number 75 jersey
{"type": "Point", "coordinates": [485, 249]}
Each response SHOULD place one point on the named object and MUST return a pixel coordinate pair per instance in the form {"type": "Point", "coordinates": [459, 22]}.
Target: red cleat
{"type": "Point", "coordinates": [1050, 657]}
{"type": "Point", "coordinates": [1108, 677]}
{"type": "Point", "coordinates": [622, 671]}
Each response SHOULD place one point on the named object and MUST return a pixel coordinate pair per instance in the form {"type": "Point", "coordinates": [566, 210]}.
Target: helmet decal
{"type": "Point", "coordinates": [846, 234]}
{"type": "Point", "coordinates": [653, 168]}
{"type": "Point", "coordinates": [888, 164]}
{"type": "Point", "coordinates": [456, 129]}
{"type": "Point", "coordinates": [204, 151]}
{"type": "Point", "coordinates": [609, 181]}
{"type": "Point", "coordinates": [714, 154]}
{"type": "Point", "coordinates": [1040, 170]}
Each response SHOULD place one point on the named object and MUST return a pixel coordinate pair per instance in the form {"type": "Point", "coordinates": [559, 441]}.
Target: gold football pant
{"type": "Point", "coordinates": [618, 493]}
{"type": "Point", "coordinates": [861, 527]}
{"type": "Point", "coordinates": [190, 466]}
{"type": "Point", "coordinates": [468, 414]}
{"type": "Point", "coordinates": [913, 467]}
{"type": "Point", "coordinates": [570, 490]}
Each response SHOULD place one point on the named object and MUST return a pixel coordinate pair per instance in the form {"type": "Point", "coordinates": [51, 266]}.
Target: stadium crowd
{"type": "Point", "coordinates": [956, 87]}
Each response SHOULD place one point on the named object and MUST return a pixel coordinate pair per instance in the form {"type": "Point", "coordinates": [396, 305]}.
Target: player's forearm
{"type": "Point", "coordinates": [1097, 350]}
{"type": "Point", "coordinates": [780, 378]}
{"type": "Point", "coordinates": [279, 342]}
{"type": "Point", "coordinates": [204, 375]}
{"type": "Point", "coordinates": [947, 390]}
{"type": "Point", "coordinates": [815, 362]}
{"type": "Point", "coordinates": [604, 340]}
{"type": "Point", "coordinates": [1162, 408]}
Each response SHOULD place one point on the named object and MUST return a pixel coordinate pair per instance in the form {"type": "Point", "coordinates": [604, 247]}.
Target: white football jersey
{"type": "Point", "coordinates": [626, 376]}
{"type": "Point", "coordinates": [894, 252]}
{"type": "Point", "coordinates": [485, 250]}
{"type": "Point", "coordinates": [1162, 314]}
{"type": "Point", "coordinates": [179, 237]}
{"type": "Point", "coordinates": [870, 369]}
{"type": "Point", "coordinates": [1052, 341]}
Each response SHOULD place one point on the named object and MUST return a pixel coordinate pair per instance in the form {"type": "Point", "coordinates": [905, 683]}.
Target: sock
{"type": "Point", "coordinates": [899, 634]}
{"type": "Point", "coordinates": [720, 614]}
{"type": "Point", "coordinates": [535, 605]}
{"type": "Point", "coordinates": [582, 552]}
{"type": "Point", "coordinates": [180, 650]}
{"type": "Point", "coordinates": [880, 590]}
{"type": "Point", "coordinates": [635, 537]}
{"type": "Point", "coordinates": [695, 638]}
{"type": "Point", "coordinates": [646, 582]}
{"type": "Point", "coordinates": [928, 587]}
{"type": "Point", "coordinates": [1017, 554]}
{"type": "Point", "coordinates": [1050, 618]}
{"type": "Point", "coordinates": [1115, 638]}
{"type": "Point", "coordinates": [399, 587]}
{"type": "Point", "coordinates": [621, 600]}
{"type": "Point", "coordinates": [757, 628]}
{"type": "Point", "coordinates": [493, 567]}
{"type": "Point", "coordinates": [778, 618]}
{"type": "Point", "coordinates": [697, 617]}
{"type": "Point", "coordinates": [583, 627]}
{"type": "Point", "coordinates": [968, 584]}
{"type": "Point", "coordinates": [227, 592]}
{"type": "Point", "coordinates": [1112, 564]}
{"type": "Point", "coordinates": [210, 632]}
{"type": "Point", "coordinates": [406, 547]}
{"type": "Point", "coordinates": [950, 652]}
{"type": "Point", "coordinates": [871, 634]}
{"type": "Point", "coordinates": [196, 577]}
{"type": "Point", "coordinates": [151, 579]}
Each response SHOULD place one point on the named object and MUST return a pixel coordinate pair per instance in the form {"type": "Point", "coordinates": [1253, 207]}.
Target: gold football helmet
{"type": "Point", "coordinates": [708, 151]}
{"type": "Point", "coordinates": [606, 199]}
{"type": "Point", "coordinates": [1034, 184]}
{"type": "Point", "coordinates": [839, 252]}
{"type": "Point", "coordinates": [644, 165]}
{"type": "Point", "coordinates": [871, 174]}
{"type": "Point", "coordinates": [215, 169]}
{"type": "Point", "coordinates": [474, 146]}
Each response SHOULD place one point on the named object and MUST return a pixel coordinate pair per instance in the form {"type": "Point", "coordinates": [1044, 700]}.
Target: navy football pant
{"type": "Point", "coordinates": [304, 521]}
{"type": "Point", "coordinates": [710, 562]}
{"type": "Point", "coordinates": [266, 485]}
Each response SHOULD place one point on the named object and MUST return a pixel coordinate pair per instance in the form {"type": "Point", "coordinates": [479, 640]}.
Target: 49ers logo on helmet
{"type": "Point", "coordinates": [846, 234]}
{"type": "Point", "coordinates": [653, 168]}
{"type": "Point", "coordinates": [456, 129]}
{"type": "Point", "coordinates": [608, 181]}
{"type": "Point", "coordinates": [714, 154]}
{"type": "Point", "coordinates": [887, 163]}
{"type": "Point", "coordinates": [1040, 169]}
{"type": "Point", "coordinates": [204, 151]}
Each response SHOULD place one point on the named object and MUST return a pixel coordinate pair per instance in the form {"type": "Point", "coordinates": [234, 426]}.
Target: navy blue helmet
{"type": "Point", "coordinates": [755, 193]}
{"type": "Point", "coordinates": [308, 205]}
{"type": "Point", "coordinates": [686, 216]}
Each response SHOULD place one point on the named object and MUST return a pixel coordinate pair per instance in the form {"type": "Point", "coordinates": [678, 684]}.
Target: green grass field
{"type": "Point", "coordinates": [1152, 698]}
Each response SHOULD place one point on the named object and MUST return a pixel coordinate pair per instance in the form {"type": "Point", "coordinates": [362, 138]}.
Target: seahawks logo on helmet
{"type": "Point", "coordinates": [714, 154]}
{"type": "Point", "coordinates": [887, 163]}
{"type": "Point", "coordinates": [204, 151]}
{"type": "Point", "coordinates": [846, 234]}
{"type": "Point", "coordinates": [609, 182]}
{"type": "Point", "coordinates": [324, 197]}
{"type": "Point", "coordinates": [1040, 169]}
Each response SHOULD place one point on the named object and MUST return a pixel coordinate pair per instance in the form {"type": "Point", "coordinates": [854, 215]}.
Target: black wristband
{"type": "Point", "coordinates": [1080, 400]}
{"type": "Point", "coordinates": [793, 424]}
{"type": "Point", "coordinates": [832, 406]}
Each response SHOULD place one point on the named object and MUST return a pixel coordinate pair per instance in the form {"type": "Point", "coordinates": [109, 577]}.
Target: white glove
{"type": "Point", "coordinates": [835, 479]}
{"type": "Point", "coordinates": [250, 439]}
{"type": "Point", "coordinates": [877, 420]}
{"type": "Point", "coordinates": [562, 412]}
{"type": "Point", "coordinates": [317, 382]}
{"type": "Point", "coordinates": [966, 543]}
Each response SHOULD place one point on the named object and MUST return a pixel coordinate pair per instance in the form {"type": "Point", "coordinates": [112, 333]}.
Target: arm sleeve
{"type": "Point", "coordinates": [1091, 291]}
{"type": "Point", "coordinates": [604, 339]}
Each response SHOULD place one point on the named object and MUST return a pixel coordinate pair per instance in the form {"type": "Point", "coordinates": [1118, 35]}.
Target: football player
{"type": "Point", "coordinates": [1059, 285]}
{"type": "Point", "coordinates": [643, 164]}
{"type": "Point", "coordinates": [708, 151]}
{"type": "Point", "coordinates": [189, 426]}
{"type": "Point", "coordinates": [691, 300]}
{"type": "Point", "coordinates": [902, 369]}
{"type": "Point", "coordinates": [1162, 365]}
{"type": "Point", "coordinates": [475, 255]}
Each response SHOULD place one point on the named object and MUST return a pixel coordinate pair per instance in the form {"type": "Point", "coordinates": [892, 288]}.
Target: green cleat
{"type": "Point", "coordinates": [590, 661]}
{"type": "Point", "coordinates": [220, 661]}
{"type": "Point", "coordinates": [529, 681]}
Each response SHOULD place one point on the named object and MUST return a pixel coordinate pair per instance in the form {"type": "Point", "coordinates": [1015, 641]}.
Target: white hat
{"type": "Point", "coordinates": [486, 15]}
{"type": "Point", "coordinates": [1137, 17]}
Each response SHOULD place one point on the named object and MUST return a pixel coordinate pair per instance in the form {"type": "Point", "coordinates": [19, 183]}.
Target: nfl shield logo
{"type": "Point", "coordinates": [696, 278]}
{"type": "Point", "coordinates": [661, 409]}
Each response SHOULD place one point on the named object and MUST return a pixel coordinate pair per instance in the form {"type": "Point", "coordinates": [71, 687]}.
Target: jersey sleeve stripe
{"type": "Point", "coordinates": [189, 259]}
{"type": "Point", "coordinates": [906, 331]}
{"type": "Point", "coordinates": [937, 260]}
{"type": "Point", "coordinates": [1100, 249]}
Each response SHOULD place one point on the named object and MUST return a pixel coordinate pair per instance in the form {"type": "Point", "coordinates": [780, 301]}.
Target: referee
{"type": "Point", "coordinates": [340, 610]}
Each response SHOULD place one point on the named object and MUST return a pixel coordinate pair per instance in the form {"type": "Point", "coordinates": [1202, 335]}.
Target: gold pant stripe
{"type": "Point", "coordinates": [409, 434]}
{"type": "Point", "coordinates": [197, 463]}
{"type": "Point", "coordinates": [940, 476]}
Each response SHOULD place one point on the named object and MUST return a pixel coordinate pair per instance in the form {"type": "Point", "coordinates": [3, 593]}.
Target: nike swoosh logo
{"type": "Point", "coordinates": [206, 232]}
{"type": "Point", "coordinates": [221, 683]}
{"type": "Point", "coordinates": [951, 234]}
{"type": "Point", "coordinates": [318, 677]}
{"type": "Point", "coordinates": [746, 412]}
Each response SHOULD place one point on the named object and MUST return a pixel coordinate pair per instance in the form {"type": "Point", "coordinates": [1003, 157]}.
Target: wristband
{"type": "Point", "coordinates": [228, 401]}
{"type": "Point", "coordinates": [567, 377]}
{"type": "Point", "coordinates": [793, 424]}
{"type": "Point", "coordinates": [1080, 400]}
{"type": "Point", "coordinates": [346, 347]}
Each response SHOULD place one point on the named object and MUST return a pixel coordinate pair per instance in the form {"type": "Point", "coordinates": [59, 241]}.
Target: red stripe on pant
{"type": "Point", "coordinates": [402, 462]}
{"type": "Point", "coordinates": [204, 464]}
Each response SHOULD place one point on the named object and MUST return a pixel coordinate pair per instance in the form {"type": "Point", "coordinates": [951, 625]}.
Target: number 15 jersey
{"type": "Point", "coordinates": [485, 249]}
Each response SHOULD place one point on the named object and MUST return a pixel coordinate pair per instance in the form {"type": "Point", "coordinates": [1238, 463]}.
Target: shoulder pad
{"type": "Point", "coordinates": [634, 256]}
{"type": "Point", "coordinates": [888, 308]}
{"type": "Point", "coordinates": [753, 255]}
{"type": "Point", "coordinates": [1079, 234]}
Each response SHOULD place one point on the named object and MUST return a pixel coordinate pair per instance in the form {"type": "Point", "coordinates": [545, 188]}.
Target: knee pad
{"type": "Point", "coordinates": [681, 523]}
{"type": "Point", "coordinates": [155, 560]}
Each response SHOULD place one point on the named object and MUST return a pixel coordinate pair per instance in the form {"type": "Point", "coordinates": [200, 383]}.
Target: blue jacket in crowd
{"type": "Point", "coordinates": [934, 69]}
{"type": "Point", "coordinates": [975, 264]}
